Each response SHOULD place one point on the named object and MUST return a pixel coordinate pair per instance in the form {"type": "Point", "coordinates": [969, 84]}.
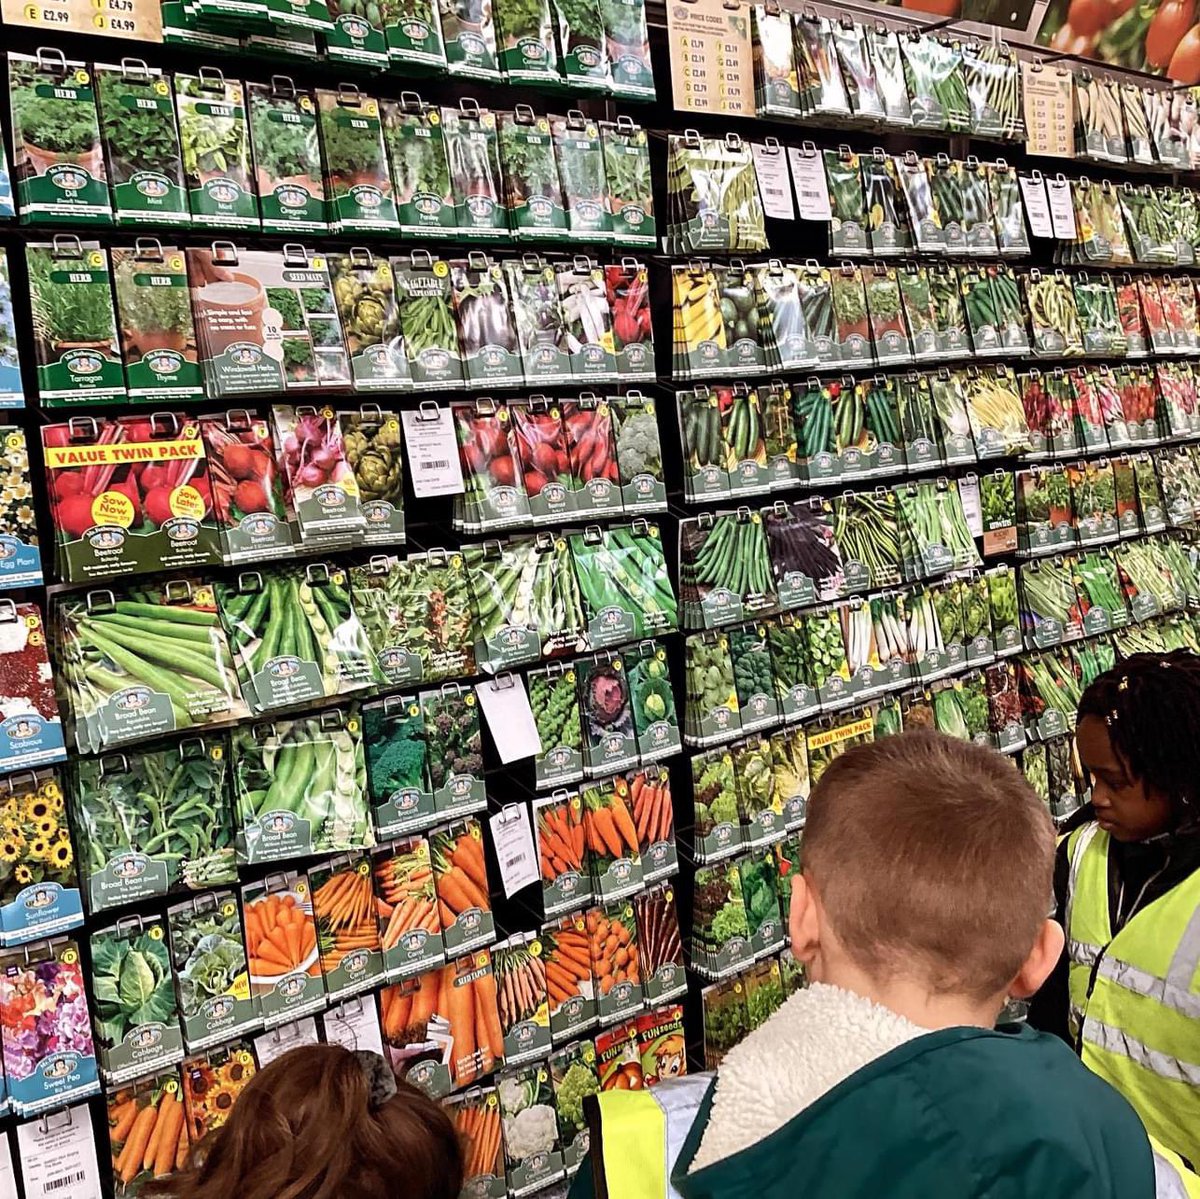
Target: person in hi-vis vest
{"type": "Point", "coordinates": [921, 907]}
{"type": "Point", "coordinates": [1127, 884]}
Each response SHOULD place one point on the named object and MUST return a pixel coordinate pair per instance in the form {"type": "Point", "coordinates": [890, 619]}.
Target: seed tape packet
{"type": "Point", "coordinates": [525, 38]}
{"type": "Point", "coordinates": [581, 171]}
{"type": "Point", "coordinates": [215, 136]}
{"type": "Point", "coordinates": [208, 957]}
{"type": "Point", "coordinates": [357, 35]}
{"type": "Point", "coordinates": [588, 319]}
{"type": "Point", "coordinates": [532, 191]}
{"type": "Point", "coordinates": [141, 145]}
{"type": "Point", "coordinates": [487, 334]}
{"type": "Point", "coordinates": [364, 289]}
{"type": "Point", "coordinates": [154, 312]}
{"type": "Point", "coordinates": [58, 161]}
{"type": "Point", "coordinates": [287, 158]}
{"type": "Point", "coordinates": [31, 732]}
{"type": "Point", "coordinates": [469, 33]}
{"type": "Point", "coordinates": [75, 342]}
{"type": "Point", "coordinates": [39, 888]}
{"type": "Point", "coordinates": [347, 925]}
{"type": "Point", "coordinates": [411, 928]}
{"type": "Point", "coordinates": [281, 945]}
{"type": "Point", "coordinates": [49, 1054]}
{"type": "Point", "coordinates": [776, 88]}
{"type": "Point", "coordinates": [472, 151]}
{"type": "Point", "coordinates": [357, 174]}
{"type": "Point", "coordinates": [137, 1023]}
{"type": "Point", "coordinates": [627, 43]}
{"type": "Point", "coordinates": [412, 132]}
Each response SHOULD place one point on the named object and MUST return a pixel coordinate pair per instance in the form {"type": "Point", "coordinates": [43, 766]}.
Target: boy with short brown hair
{"type": "Point", "coordinates": [921, 909]}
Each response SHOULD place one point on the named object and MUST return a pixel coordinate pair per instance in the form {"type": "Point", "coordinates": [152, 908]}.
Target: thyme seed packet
{"type": "Point", "coordinates": [214, 133]}
{"type": "Point", "coordinates": [582, 53]}
{"type": "Point", "coordinates": [287, 158]}
{"type": "Point", "coordinates": [356, 34]}
{"type": "Point", "coordinates": [627, 41]}
{"type": "Point", "coordinates": [154, 312]}
{"type": "Point", "coordinates": [581, 171]}
{"type": "Point", "coordinates": [75, 328]}
{"type": "Point", "coordinates": [469, 33]}
{"type": "Point", "coordinates": [413, 31]}
{"type": "Point", "coordinates": [412, 132]}
{"type": "Point", "coordinates": [141, 145]}
{"type": "Point", "coordinates": [532, 192]}
{"type": "Point", "coordinates": [12, 394]}
{"type": "Point", "coordinates": [473, 155]}
{"type": "Point", "coordinates": [58, 158]}
{"type": "Point", "coordinates": [356, 164]}
{"type": "Point", "coordinates": [627, 172]}
{"type": "Point", "coordinates": [528, 52]}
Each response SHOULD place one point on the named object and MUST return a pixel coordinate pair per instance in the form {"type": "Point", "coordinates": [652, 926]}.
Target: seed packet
{"type": "Point", "coordinates": [884, 48]}
{"type": "Point", "coordinates": [655, 719]}
{"type": "Point", "coordinates": [212, 1084]}
{"type": "Point", "coordinates": [627, 45]}
{"type": "Point", "coordinates": [357, 35]}
{"type": "Point", "coordinates": [726, 1019]}
{"type": "Point", "coordinates": [849, 41]}
{"type": "Point", "coordinates": [357, 173]}
{"type": "Point", "coordinates": [581, 172]}
{"type": "Point", "coordinates": [588, 317]}
{"type": "Point", "coordinates": [848, 228]}
{"type": "Point", "coordinates": [20, 558]}
{"type": "Point", "coordinates": [533, 1155]}
{"type": "Point", "coordinates": [713, 711]}
{"type": "Point", "coordinates": [725, 571]}
{"type": "Point", "coordinates": [720, 932]}
{"type": "Point", "coordinates": [364, 288]}
{"type": "Point", "coordinates": [12, 393]}
{"type": "Point", "coordinates": [612, 928]}
{"type": "Point", "coordinates": [287, 158]}
{"type": "Point", "coordinates": [154, 311]}
{"type": "Point", "coordinates": [822, 89]}
{"type": "Point", "coordinates": [141, 144]}
{"type": "Point", "coordinates": [609, 739]}
{"type": "Point", "coordinates": [413, 34]}
{"type": "Point", "coordinates": [1008, 209]}
{"type": "Point", "coordinates": [627, 287]}
{"type": "Point", "coordinates": [532, 192]}
{"type": "Point", "coordinates": [476, 181]}
{"type": "Point", "coordinates": [137, 1022]}
{"type": "Point", "coordinates": [776, 86]}
{"type": "Point", "coordinates": [627, 172]}
{"type": "Point", "coordinates": [623, 581]}
{"type": "Point", "coordinates": [371, 442]}
{"type": "Point", "coordinates": [427, 325]}
{"type": "Point", "coordinates": [208, 957]}
{"type": "Point", "coordinates": [214, 134]}
{"type": "Point", "coordinates": [50, 1057]}
{"type": "Point", "coordinates": [851, 318]}
{"type": "Point", "coordinates": [281, 944]}
{"type": "Point", "coordinates": [889, 336]}
{"type": "Point", "coordinates": [454, 746]}
{"type": "Point", "coordinates": [886, 214]}
{"type": "Point", "coordinates": [397, 765]}
{"type": "Point", "coordinates": [147, 1129]}
{"type": "Point", "coordinates": [460, 875]}
{"type": "Point", "coordinates": [522, 998]}
{"type": "Point", "coordinates": [58, 157]}
{"type": "Point", "coordinates": [992, 75]}
{"type": "Point", "coordinates": [744, 349]}
{"type": "Point", "coordinates": [75, 344]}
{"type": "Point", "coordinates": [31, 732]}
{"type": "Point", "coordinates": [526, 49]}
{"type": "Point", "coordinates": [487, 333]}
{"type": "Point", "coordinates": [412, 132]}
{"type": "Point", "coordinates": [469, 35]}
{"type": "Point", "coordinates": [410, 927]}
{"type": "Point", "coordinates": [348, 931]}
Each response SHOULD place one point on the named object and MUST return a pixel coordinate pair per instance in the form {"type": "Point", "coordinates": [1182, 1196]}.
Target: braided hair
{"type": "Point", "coordinates": [1150, 704]}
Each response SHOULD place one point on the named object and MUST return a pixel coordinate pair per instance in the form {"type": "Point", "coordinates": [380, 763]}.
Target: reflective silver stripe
{"type": "Point", "coordinates": [1167, 1183]}
{"type": "Point", "coordinates": [1083, 954]}
{"type": "Point", "coordinates": [1085, 839]}
{"type": "Point", "coordinates": [1187, 955]}
{"type": "Point", "coordinates": [1142, 982]}
{"type": "Point", "coordinates": [1113, 1040]}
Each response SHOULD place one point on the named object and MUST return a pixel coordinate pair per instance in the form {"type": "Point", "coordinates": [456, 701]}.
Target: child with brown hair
{"type": "Point", "coordinates": [322, 1122]}
{"type": "Point", "coordinates": [921, 908]}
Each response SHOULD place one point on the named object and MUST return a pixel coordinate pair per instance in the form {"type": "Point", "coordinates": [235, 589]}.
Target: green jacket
{"type": "Point", "coordinates": [963, 1113]}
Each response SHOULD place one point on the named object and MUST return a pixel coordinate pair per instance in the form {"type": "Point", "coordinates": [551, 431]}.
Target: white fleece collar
{"type": "Point", "coordinates": [817, 1039]}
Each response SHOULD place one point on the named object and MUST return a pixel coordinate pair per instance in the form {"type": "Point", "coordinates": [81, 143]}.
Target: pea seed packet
{"type": "Point", "coordinates": [141, 145]}
{"type": "Point", "coordinates": [58, 157]}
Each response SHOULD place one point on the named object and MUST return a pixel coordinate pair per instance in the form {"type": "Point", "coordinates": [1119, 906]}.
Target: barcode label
{"type": "Point", "coordinates": [518, 860]}
{"type": "Point", "coordinates": [435, 464]}
{"type": "Point", "coordinates": [67, 1180]}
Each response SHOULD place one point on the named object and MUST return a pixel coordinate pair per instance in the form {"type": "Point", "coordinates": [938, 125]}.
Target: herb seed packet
{"type": "Point", "coordinates": [58, 158]}
{"type": "Point", "coordinates": [532, 191]}
{"type": "Point", "coordinates": [287, 158]}
{"type": "Point", "coordinates": [141, 144]}
{"type": "Point", "coordinates": [356, 163]}
{"type": "Point", "coordinates": [215, 136]}
{"type": "Point", "coordinates": [412, 132]}
{"type": "Point", "coordinates": [581, 171]}
{"type": "Point", "coordinates": [476, 180]}
{"type": "Point", "coordinates": [527, 52]}
{"type": "Point", "coordinates": [357, 36]}
{"type": "Point", "coordinates": [469, 32]}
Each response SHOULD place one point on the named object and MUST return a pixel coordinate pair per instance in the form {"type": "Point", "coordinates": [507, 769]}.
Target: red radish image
{"type": "Point", "coordinates": [245, 476]}
{"type": "Point", "coordinates": [541, 441]}
{"type": "Point", "coordinates": [488, 451]}
{"type": "Point", "coordinates": [138, 474]}
{"type": "Point", "coordinates": [312, 452]}
{"type": "Point", "coordinates": [590, 442]}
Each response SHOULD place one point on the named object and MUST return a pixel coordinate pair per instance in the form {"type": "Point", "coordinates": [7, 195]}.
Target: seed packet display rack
{"type": "Point", "coordinates": [710, 845]}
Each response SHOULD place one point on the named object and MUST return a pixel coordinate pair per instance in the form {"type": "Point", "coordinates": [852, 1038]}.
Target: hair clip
{"type": "Point", "coordinates": [381, 1082]}
{"type": "Point", "coordinates": [1123, 685]}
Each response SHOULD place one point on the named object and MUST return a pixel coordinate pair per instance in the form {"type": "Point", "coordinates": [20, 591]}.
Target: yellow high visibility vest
{"type": "Point", "coordinates": [1172, 1178]}
{"type": "Point", "coordinates": [1135, 997]}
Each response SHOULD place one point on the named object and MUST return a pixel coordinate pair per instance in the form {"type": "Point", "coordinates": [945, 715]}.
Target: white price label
{"type": "Point", "coordinates": [812, 188]}
{"type": "Point", "coordinates": [433, 463]}
{"type": "Point", "coordinates": [278, 1041]}
{"type": "Point", "coordinates": [58, 1156]}
{"type": "Point", "coordinates": [506, 709]}
{"type": "Point", "coordinates": [1037, 207]}
{"type": "Point", "coordinates": [355, 1024]}
{"type": "Point", "coordinates": [774, 185]}
{"type": "Point", "coordinates": [512, 834]}
{"type": "Point", "coordinates": [1062, 211]}
{"type": "Point", "coordinates": [968, 493]}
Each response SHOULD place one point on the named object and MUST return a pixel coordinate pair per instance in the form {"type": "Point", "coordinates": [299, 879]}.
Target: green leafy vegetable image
{"type": "Point", "coordinates": [131, 982]}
